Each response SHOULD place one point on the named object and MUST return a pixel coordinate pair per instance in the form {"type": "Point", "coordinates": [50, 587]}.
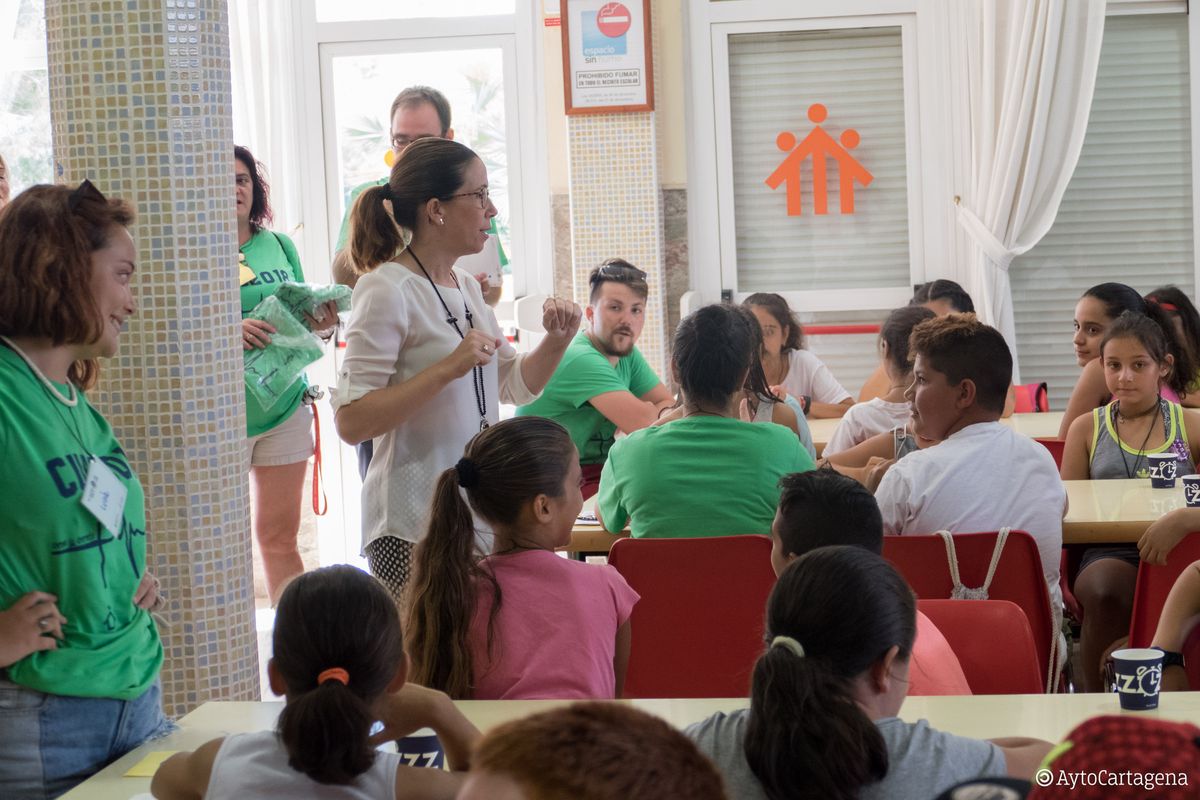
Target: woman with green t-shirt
{"type": "Point", "coordinates": [279, 439]}
{"type": "Point", "coordinates": [79, 652]}
{"type": "Point", "coordinates": [705, 472]}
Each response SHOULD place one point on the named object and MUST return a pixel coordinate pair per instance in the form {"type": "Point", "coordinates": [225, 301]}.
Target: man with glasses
{"type": "Point", "coordinates": [418, 112]}
{"type": "Point", "coordinates": [603, 384]}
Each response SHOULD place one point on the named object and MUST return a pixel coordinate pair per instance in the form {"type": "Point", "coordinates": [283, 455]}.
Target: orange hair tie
{"type": "Point", "coordinates": [334, 674]}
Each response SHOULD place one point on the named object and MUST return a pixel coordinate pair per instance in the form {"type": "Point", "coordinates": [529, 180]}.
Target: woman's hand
{"type": "Point", "coordinates": [561, 318]}
{"type": "Point", "coordinates": [256, 334]}
{"type": "Point", "coordinates": [147, 595]}
{"type": "Point", "coordinates": [476, 350]}
{"type": "Point", "coordinates": [31, 624]}
{"type": "Point", "coordinates": [779, 392]}
{"type": "Point", "coordinates": [323, 320]}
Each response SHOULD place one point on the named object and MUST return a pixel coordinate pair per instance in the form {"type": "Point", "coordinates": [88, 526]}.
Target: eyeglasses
{"type": "Point", "coordinates": [85, 191]}
{"type": "Point", "coordinates": [479, 194]}
{"type": "Point", "coordinates": [403, 140]}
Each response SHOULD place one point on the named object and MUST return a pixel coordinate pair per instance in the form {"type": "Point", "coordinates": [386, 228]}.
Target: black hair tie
{"type": "Point", "coordinates": [387, 192]}
{"type": "Point", "coordinates": [468, 473]}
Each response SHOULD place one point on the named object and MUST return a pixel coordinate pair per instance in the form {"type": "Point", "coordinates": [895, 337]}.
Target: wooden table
{"type": "Point", "coordinates": [1100, 512]}
{"type": "Point", "coordinates": [1041, 426]}
{"type": "Point", "coordinates": [1048, 717]}
{"type": "Point", "coordinates": [1115, 511]}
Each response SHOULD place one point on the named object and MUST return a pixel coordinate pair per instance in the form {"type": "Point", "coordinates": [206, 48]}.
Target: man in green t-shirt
{"type": "Point", "coordinates": [419, 112]}
{"type": "Point", "coordinates": [603, 384]}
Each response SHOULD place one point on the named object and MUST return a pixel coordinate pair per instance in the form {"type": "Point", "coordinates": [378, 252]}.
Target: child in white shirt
{"type": "Point", "coordinates": [984, 475]}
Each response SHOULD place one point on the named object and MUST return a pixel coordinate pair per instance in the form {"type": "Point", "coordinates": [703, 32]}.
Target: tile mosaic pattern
{"type": "Point", "coordinates": [616, 207]}
{"type": "Point", "coordinates": [141, 104]}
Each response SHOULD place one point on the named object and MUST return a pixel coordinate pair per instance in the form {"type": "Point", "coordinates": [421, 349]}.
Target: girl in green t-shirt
{"type": "Point", "coordinates": [79, 652]}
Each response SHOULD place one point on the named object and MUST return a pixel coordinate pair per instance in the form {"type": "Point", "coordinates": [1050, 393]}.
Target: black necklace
{"type": "Point", "coordinates": [1129, 473]}
{"type": "Point", "coordinates": [476, 371]}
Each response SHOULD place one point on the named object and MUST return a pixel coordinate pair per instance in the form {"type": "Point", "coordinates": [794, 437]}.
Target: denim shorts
{"type": "Point", "coordinates": [49, 743]}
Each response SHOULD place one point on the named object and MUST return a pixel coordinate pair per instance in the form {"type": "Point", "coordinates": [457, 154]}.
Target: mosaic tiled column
{"type": "Point", "coordinates": [141, 105]}
{"type": "Point", "coordinates": [616, 208]}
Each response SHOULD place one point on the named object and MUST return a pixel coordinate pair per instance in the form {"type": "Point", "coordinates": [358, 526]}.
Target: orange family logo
{"type": "Point", "coordinates": [820, 147]}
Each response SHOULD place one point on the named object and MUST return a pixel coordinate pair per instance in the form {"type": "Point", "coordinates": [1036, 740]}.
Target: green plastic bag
{"type": "Point", "coordinates": [304, 298]}
{"type": "Point", "coordinates": [272, 369]}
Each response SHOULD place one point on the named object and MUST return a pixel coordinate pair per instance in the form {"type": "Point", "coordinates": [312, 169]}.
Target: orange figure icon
{"type": "Point", "coordinates": [819, 146]}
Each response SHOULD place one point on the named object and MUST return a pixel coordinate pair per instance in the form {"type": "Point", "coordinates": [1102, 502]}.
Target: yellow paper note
{"type": "Point", "coordinates": [150, 764]}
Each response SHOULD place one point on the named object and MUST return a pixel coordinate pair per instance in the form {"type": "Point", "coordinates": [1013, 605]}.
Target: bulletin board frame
{"type": "Point", "coordinates": [607, 62]}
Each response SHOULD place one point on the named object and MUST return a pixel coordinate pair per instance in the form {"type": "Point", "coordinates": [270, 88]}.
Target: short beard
{"type": "Point", "coordinates": [605, 346]}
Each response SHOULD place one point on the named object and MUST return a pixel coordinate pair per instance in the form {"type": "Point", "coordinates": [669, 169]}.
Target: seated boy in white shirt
{"type": "Point", "coordinates": [983, 476]}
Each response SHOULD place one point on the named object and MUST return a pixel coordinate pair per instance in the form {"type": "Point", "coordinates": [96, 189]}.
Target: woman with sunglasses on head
{"type": "Point", "coordinates": [426, 364]}
{"type": "Point", "coordinates": [79, 653]}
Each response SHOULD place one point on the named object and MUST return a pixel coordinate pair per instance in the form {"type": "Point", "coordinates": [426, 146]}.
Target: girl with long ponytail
{"type": "Point", "coordinates": [520, 623]}
{"type": "Point", "coordinates": [825, 694]}
{"type": "Point", "coordinates": [339, 660]}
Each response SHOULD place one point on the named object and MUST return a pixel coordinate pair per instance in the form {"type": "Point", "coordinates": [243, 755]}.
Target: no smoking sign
{"type": "Point", "coordinates": [613, 20]}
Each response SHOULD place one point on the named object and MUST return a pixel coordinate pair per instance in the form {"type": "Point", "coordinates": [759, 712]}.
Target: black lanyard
{"type": "Point", "coordinates": [476, 371]}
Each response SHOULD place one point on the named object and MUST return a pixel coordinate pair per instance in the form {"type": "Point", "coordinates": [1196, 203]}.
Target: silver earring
{"type": "Point", "coordinates": [442, 221]}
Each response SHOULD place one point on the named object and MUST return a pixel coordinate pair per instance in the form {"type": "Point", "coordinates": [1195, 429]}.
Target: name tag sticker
{"type": "Point", "coordinates": [104, 496]}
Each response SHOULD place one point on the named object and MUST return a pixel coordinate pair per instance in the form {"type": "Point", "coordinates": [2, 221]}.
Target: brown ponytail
{"type": "Point", "coordinates": [342, 620]}
{"type": "Point", "coordinates": [503, 468]}
{"type": "Point", "coordinates": [806, 736]}
{"type": "Point", "coordinates": [428, 169]}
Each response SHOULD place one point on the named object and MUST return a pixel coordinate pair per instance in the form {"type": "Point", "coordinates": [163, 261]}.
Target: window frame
{"type": "Point", "coordinates": [711, 216]}
{"type": "Point", "coordinates": [519, 36]}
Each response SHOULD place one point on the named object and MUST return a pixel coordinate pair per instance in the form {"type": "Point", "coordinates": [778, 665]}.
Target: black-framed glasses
{"type": "Point", "coordinates": [403, 140]}
{"type": "Point", "coordinates": [480, 194]}
{"type": "Point", "coordinates": [85, 191]}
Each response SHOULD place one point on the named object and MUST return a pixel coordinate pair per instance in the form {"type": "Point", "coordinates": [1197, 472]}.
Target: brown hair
{"type": "Point", "coordinates": [503, 468]}
{"type": "Point", "coordinates": [598, 751]}
{"type": "Point", "coordinates": [806, 737]}
{"type": "Point", "coordinates": [47, 237]}
{"type": "Point", "coordinates": [617, 270]}
{"type": "Point", "coordinates": [336, 617]}
{"type": "Point", "coordinates": [779, 309]}
{"type": "Point", "coordinates": [415, 96]}
{"type": "Point", "coordinates": [962, 348]}
{"type": "Point", "coordinates": [896, 332]}
{"type": "Point", "coordinates": [428, 168]}
{"type": "Point", "coordinates": [260, 202]}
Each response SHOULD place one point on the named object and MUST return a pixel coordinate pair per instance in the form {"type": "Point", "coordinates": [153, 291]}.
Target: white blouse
{"type": "Point", "coordinates": [397, 329]}
{"type": "Point", "coordinates": [864, 420]}
{"type": "Point", "coordinates": [808, 375]}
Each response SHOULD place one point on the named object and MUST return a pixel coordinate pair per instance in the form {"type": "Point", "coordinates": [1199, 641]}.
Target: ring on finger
{"type": "Point", "coordinates": [44, 623]}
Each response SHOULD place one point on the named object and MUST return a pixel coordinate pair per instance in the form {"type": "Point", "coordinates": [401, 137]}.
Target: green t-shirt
{"type": "Point", "coordinates": [344, 232]}
{"type": "Point", "coordinates": [698, 476]}
{"type": "Point", "coordinates": [274, 260]}
{"type": "Point", "coordinates": [50, 542]}
{"type": "Point", "coordinates": [583, 373]}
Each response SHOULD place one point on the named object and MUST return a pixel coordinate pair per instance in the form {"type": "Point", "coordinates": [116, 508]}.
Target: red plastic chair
{"type": "Point", "coordinates": [1031, 397]}
{"type": "Point", "coordinates": [1055, 446]}
{"type": "Point", "coordinates": [1019, 577]}
{"type": "Point", "coordinates": [1154, 583]}
{"type": "Point", "coordinates": [698, 628]}
{"type": "Point", "coordinates": [993, 642]}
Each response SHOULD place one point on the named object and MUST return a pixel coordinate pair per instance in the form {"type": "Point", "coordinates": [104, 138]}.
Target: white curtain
{"type": "Point", "coordinates": [265, 110]}
{"type": "Point", "coordinates": [1031, 68]}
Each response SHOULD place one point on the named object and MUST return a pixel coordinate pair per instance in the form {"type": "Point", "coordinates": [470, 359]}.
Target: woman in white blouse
{"type": "Point", "coordinates": [426, 364]}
